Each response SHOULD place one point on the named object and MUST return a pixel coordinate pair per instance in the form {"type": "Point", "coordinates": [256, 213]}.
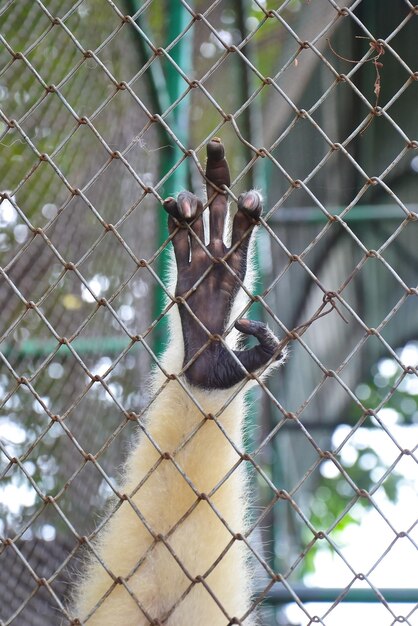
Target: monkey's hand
{"type": "Point", "coordinates": [209, 278]}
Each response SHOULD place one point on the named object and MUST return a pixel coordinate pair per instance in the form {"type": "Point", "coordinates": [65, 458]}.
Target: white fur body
{"type": "Point", "coordinates": [153, 578]}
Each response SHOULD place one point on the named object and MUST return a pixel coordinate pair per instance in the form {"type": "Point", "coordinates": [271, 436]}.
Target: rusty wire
{"type": "Point", "coordinates": [333, 302]}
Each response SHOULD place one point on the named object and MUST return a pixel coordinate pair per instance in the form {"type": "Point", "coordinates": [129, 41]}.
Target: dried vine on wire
{"type": "Point", "coordinates": [377, 46]}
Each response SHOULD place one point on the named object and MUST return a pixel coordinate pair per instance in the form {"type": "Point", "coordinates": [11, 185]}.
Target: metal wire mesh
{"type": "Point", "coordinates": [321, 113]}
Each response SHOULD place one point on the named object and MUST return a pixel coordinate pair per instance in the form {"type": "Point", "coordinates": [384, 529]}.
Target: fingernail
{"type": "Point", "coordinates": [250, 200]}
{"type": "Point", "coordinates": [187, 210]}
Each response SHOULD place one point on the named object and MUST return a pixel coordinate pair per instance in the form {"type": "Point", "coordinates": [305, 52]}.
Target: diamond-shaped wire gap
{"type": "Point", "coordinates": [46, 557]}
{"type": "Point", "coordinates": [27, 90]}
{"type": "Point", "coordinates": [37, 431]}
{"type": "Point", "coordinates": [306, 377]}
{"type": "Point", "coordinates": [297, 456]}
{"type": "Point", "coordinates": [233, 550]}
{"type": "Point", "coordinates": [77, 88]}
{"type": "Point", "coordinates": [64, 8]}
{"type": "Point", "coordinates": [151, 27]}
{"type": "Point", "coordinates": [81, 491]}
{"type": "Point", "coordinates": [326, 84]}
{"type": "Point", "coordinates": [27, 602]}
{"type": "Point", "coordinates": [28, 207]}
{"type": "Point", "coordinates": [396, 384]}
{"type": "Point", "coordinates": [188, 481]}
{"type": "Point", "coordinates": [207, 42]}
{"type": "Point", "coordinates": [75, 231]}
{"type": "Point", "coordinates": [264, 31]}
{"type": "Point", "coordinates": [362, 582]}
{"type": "Point", "coordinates": [213, 42]}
{"type": "Point", "coordinates": [133, 126]}
{"type": "Point", "coordinates": [381, 538]}
{"type": "Point", "coordinates": [60, 228]}
{"type": "Point", "coordinates": [55, 56]}
{"type": "Point", "coordinates": [32, 169]}
{"type": "Point", "coordinates": [33, 281]}
{"type": "Point", "coordinates": [76, 137]}
{"type": "Point", "coordinates": [398, 238]}
{"type": "Point", "coordinates": [138, 178]}
{"type": "Point", "coordinates": [329, 565]}
{"type": "Point", "coordinates": [325, 510]}
{"type": "Point", "coordinates": [121, 388]}
{"type": "Point", "coordinates": [39, 400]}
{"type": "Point", "coordinates": [297, 194]}
{"type": "Point", "coordinates": [112, 53]}
{"type": "Point", "coordinates": [87, 87]}
{"type": "Point", "coordinates": [335, 180]}
{"type": "Point", "coordinates": [314, 270]}
{"type": "Point", "coordinates": [160, 56]}
{"type": "Point", "coordinates": [297, 28]}
{"type": "Point", "coordinates": [384, 28]}
{"type": "Point", "coordinates": [395, 184]}
{"type": "Point", "coordinates": [398, 49]}
{"type": "Point", "coordinates": [351, 372]}
{"type": "Point", "coordinates": [401, 100]}
{"type": "Point", "coordinates": [394, 143]}
{"type": "Point", "coordinates": [242, 70]}
{"type": "Point", "coordinates": [131, 312]}
{"type": "Point", "coordinates": [24, 337]}
{"type": "Point", "coordinates": [91, 27]}
{"type": "Point", "coordinates": [374, 613]}
{"type": "Point", "coordinates": [320, 237]}
{"type": "Point", "coordinates": [372, 455]}
{"type": "Point", "coordinates": [133, 176]}
{"type": "Point", "coordinates": [291, 555]}
{"type": "Point", "coordinates": [410, 613]}
{"type": "Point", "coordinates": [366, 75]}
{"type": "Point", "coordinates": [23, 26]}
{"type": "Point", "coordinates": [20, 271]}
{"type": "Point", "coordinates": [397, 329]}
{"type": "Point", "coordinates": [110, 271]}
{"type": "Point", "coordinates": [383, 288]}
{"type": "Point", "coordinates": [95, 152]}
{"type": "Point", "coordinates": [22, 489]}
{"type": "Point", "coordinates": [43, 160]}
{"type": "Point", "coordinates": [302, 61]}
{"type": "Point", "coordinates": [68, 305]}
{"type": "Point", "coordinates": [238, 99]}
{"type": "Point", "coordinates": [347, 173]}
{"type": "Point", "coordinates": [400, 390]}
{"type": "Point", "coordinates": [51, 444]}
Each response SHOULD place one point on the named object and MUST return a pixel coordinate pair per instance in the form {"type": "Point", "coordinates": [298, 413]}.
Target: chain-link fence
{"type": "Point", "coordinates": [105, 109]}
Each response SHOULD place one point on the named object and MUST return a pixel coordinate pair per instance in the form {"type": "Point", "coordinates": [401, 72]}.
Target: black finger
{"type": "Point", "coordinates": [217, 173]}
{"type": "Point", "coordinates": [249, 210]}
{"type": "Point", "coordinates": [268, 348]}
{"type": "Point", "coordinates": [181, 237]}
{"type": "Point", "coordinates": [189, 205]}
{"type": "Point", "coordinates": [191, 208]}
{"type": "Point", "coordinates": [170, 205]}
{"type": "Point", "coordinates": [217, 169]}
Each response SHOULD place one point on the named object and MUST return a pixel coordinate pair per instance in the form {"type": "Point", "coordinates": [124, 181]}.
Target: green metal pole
{"type": "Point", "coordinates": [280, 595]}
{"type": "Point", "coordinates": [178, 120]}
{"type": "Point", "coordinates": [165, 86]}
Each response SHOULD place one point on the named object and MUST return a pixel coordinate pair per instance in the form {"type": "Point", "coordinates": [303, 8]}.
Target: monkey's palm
{"type": "Point", "coordinates": [209, 278]}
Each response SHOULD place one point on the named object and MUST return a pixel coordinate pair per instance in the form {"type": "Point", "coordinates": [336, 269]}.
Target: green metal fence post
{"type": "Point", "coordinates": [165, 87]}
